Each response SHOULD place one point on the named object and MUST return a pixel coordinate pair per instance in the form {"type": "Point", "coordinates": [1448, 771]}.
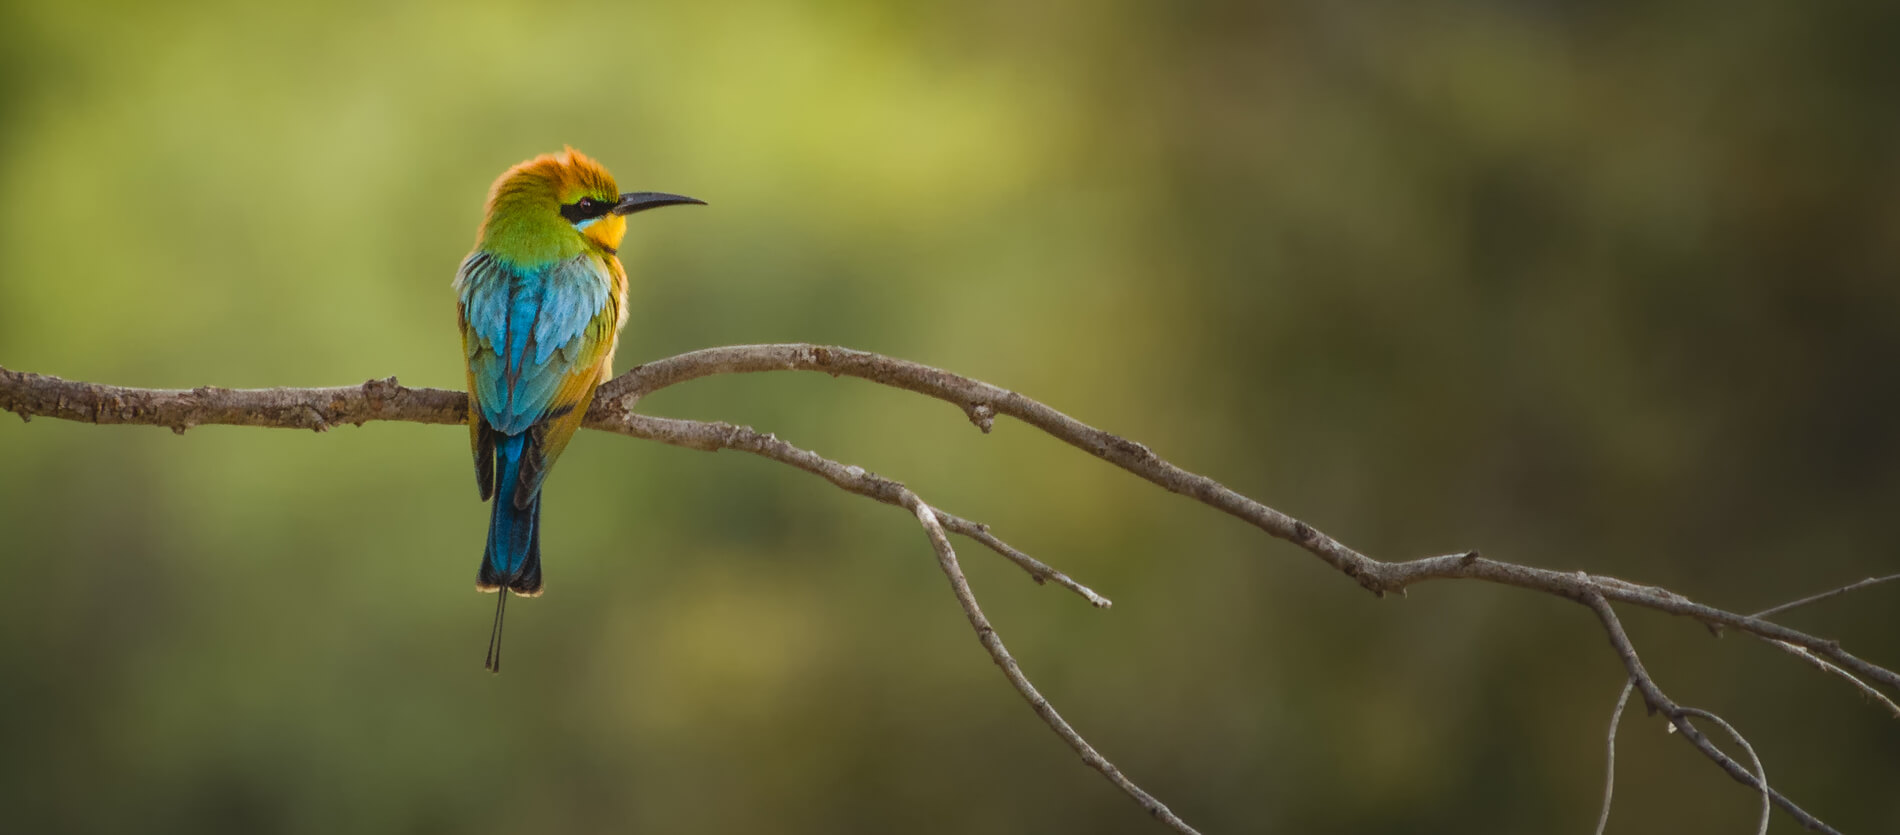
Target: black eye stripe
{"type": "Point", "coordinates": [585, 208]}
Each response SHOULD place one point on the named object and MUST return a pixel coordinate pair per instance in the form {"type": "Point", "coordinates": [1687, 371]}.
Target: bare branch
{"type": "Point", "coordinates": [1678, 715]}
{"type": "Point", "coordinates": [1473, 566]}
{"type": "Point", "coordinates": [34, 395]}
{"type": "Point", "coordinates": [37, 395]}
{"type": "Point", "coordinates": [981, 402]}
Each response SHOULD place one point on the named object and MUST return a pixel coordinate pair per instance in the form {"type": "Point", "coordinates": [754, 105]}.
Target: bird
{"type": "Point", "coordinates": [540, 302]}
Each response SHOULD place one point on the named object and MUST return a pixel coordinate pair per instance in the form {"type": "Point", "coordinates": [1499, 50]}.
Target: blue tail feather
{"type": "Point", "coordinates": [512, 558]}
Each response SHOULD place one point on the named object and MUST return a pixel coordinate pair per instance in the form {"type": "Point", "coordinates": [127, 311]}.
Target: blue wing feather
{"type": "Point", "coordinates": [580, 296]}
{"type": "Point", "coordinates": [525, 327]}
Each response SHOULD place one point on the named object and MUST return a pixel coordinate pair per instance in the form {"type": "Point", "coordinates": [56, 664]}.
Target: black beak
{"type": "Point", "coordinates": [639, 201]}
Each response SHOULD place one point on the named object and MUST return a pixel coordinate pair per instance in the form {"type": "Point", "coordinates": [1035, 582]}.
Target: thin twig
{"type": "Point", "coordinates": [1036, 568]}
{"type": "Point", "coordinates": [993, 642]}
{"type": "Point", "coordinates": [1871, 581]}
{"type": "Point", "coordinates": [1609, 781]}
{"type": "Point", "coordinates": [1822, 664]}
{"type": "Point", "coordinates": [1761, 774]}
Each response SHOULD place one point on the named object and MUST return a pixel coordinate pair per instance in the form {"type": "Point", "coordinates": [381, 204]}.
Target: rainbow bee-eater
{"type": "Point", "coordinates": [540, 303]}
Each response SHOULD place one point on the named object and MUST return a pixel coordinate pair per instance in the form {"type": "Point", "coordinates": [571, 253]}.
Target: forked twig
{"type": "Point", "coordinates": [1678, 716]}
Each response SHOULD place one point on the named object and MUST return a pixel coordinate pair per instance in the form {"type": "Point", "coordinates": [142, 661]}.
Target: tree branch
{"type": "Point", "coordinates": [1678, 716]}
{"type": "Point", "coordinates": [982, 402]}
{"type": "Point", "coordinates": [31, 395]}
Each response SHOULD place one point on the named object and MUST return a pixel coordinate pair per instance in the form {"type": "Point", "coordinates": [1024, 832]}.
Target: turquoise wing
{"type": "Point", "coordinates": [527, 331]}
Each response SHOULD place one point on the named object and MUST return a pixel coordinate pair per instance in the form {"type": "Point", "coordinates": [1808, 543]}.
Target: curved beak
{"type": "Point", "coordinates": [639, 201]}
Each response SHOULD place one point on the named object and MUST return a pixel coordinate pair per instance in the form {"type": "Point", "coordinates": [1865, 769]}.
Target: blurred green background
{"type": "Point", "coordinates": [1612, 287]}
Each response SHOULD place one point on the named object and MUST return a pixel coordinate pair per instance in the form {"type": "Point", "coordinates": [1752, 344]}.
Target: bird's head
{"type": "Point", "coordinates": [556, 206]}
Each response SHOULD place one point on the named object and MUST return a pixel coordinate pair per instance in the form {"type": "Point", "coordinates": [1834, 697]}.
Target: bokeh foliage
{"type": "Point", "coordinates": [1596, 286]}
